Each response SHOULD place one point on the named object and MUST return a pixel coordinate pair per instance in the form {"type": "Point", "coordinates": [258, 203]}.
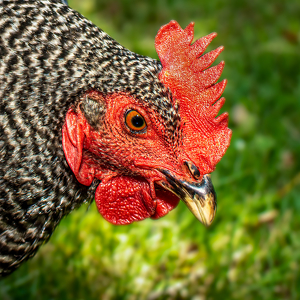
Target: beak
{"type": "Point", "coordinates": [200, 197]}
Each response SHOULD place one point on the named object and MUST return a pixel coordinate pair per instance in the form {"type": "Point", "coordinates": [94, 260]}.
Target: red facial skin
{"type": "Point", "coordinates": [127, 163]}
{"type": "Point", "coordinates": [126, 192]}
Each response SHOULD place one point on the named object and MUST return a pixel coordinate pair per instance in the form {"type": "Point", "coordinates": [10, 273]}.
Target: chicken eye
{"type": "Point", "coordinates": [135, 121]}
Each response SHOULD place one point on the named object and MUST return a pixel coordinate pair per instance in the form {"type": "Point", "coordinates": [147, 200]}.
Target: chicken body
{"type": "Point", "coordinates": [63, 82]}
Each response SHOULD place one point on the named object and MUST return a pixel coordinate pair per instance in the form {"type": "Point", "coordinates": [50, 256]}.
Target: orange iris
{"type": "Point", "coordinates": [135, 121]}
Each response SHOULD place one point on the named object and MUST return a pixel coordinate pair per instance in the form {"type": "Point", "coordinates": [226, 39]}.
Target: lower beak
{"type": "Point", "coordinates": [200, 197]}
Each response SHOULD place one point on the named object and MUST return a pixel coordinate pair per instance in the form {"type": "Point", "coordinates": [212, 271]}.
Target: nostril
{"type": "Point", "coordinates": [193, 169]}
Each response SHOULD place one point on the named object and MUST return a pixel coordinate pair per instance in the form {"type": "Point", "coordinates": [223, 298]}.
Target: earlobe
{"type": "Point", "coordinates": [71, 126]}
{"type": "Point", "coordinates": [73, 136]}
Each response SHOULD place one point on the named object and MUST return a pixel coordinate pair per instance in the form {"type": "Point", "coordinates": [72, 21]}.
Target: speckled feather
{"type": "Point", "coordinates": [49, 56]}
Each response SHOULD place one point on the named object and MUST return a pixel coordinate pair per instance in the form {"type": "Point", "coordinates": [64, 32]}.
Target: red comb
{"type": "Point", "coordinates": [185, 73]}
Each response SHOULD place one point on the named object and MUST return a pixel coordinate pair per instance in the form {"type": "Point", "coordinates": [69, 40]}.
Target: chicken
{"type": "Point", "coordinates": [82, 117]}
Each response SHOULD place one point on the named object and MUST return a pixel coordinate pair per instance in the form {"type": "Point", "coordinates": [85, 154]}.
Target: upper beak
{"type": "Point", "coordinates": [200, 197]}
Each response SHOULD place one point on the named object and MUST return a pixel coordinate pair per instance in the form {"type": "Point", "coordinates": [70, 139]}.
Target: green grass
{"type": "Point", "coordinates": [252, 250]}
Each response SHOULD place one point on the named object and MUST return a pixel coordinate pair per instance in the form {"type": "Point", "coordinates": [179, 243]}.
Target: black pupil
{"type": "Point", "coordinates": [137, 121]}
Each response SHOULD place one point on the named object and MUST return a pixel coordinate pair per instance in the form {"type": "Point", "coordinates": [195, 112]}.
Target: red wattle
{"type": "Point", "coordinates": [123, 200]}
{"type": "Point", "coordinates": [165, 201]}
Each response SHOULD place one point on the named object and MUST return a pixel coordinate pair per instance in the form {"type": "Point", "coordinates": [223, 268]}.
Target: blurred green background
{"type": "Point", "coordinates": [252, 250]}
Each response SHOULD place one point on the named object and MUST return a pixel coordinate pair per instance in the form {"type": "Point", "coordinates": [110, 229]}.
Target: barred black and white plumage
{"type": "Point", "coordinates": [49, 56]}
